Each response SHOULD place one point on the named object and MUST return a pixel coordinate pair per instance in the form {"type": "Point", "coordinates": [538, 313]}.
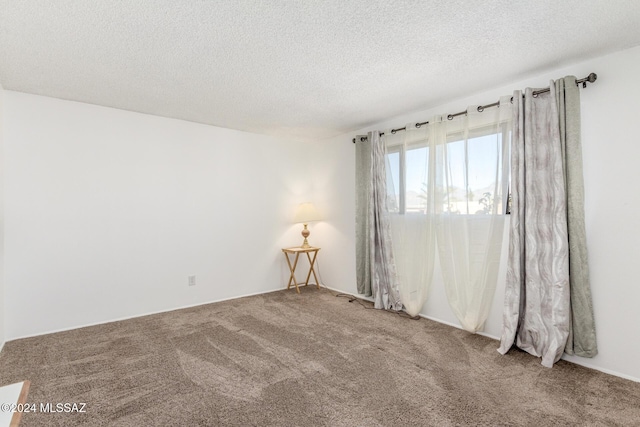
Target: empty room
{"type": "Point", "coordinates": [319, 213]}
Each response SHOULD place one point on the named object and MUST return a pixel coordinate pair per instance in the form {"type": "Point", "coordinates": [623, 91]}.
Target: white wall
{"type": "Point", "coordinates": [108, 211]}
{"type": "Point", "coordinates": [2, 306]}
{"type": "Point", "coordinates": [610, 111]}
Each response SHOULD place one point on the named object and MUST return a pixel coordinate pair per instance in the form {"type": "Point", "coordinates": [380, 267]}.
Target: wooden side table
{"type": "Point", "coordinates": [312, 253]}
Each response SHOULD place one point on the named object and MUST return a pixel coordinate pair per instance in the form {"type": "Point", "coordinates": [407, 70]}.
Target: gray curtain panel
{"type": "Point", "coordinates": [582, 333]}
{"type": "Point", "coordinates": [538, 296]}
{"type": "Point", "coordinates": [363, 196]}
{"type": "Point", "coordinates": [537, 312]}
{"type": "Point", "coordinates": [375, 266]}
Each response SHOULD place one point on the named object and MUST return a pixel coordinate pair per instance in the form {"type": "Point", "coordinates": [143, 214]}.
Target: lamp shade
{"type": "Point", "coordinates": [306, 212]}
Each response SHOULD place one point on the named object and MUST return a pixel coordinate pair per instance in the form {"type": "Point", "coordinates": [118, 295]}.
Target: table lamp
{"type": "Point", "coordinates": [305, 213]}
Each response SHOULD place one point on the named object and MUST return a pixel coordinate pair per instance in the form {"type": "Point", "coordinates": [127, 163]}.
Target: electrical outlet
{"type": "Point", "coordinates": [192, 280]}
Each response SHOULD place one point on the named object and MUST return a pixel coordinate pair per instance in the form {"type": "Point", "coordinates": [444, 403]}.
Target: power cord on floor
{"type": "Point", "coordinates": [353, 298]}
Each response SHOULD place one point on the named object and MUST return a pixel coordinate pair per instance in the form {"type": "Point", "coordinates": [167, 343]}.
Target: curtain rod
{"type": "Point", "coordinates": [590, 78]}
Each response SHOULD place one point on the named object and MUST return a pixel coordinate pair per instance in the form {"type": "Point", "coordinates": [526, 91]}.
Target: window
{"type": "Point", "coordinates": [467, 166]}
{"type": "Point", "coordinates": [393, 180]}
{"type": "Point", "coordinates": [406, 178]}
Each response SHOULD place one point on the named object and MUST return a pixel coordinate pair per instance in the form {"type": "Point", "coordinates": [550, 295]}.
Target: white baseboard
{"type": "Point", "coordinates": [597, 368]}
{"type": "Point", "coordinates": [340, 291]}
{"type": "Point", "coordinates": [119, 319]}
{"type": "Point", "coordinates": [484, 334]}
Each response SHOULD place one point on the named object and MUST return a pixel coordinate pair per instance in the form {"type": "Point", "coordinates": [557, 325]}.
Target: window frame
{"type": "Point", "coordinates": [401, 175]}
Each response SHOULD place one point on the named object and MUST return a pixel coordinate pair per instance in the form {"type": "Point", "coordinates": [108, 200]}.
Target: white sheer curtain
{"type": "Point", "coordinates": [471, 192]}
{"type": "Point", "coordinates": [410, 186]}
{"type": "Point", "coordinates": [445, 187]}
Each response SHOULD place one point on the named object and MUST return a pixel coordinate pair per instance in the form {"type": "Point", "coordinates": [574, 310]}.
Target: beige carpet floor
{"type": "Point", "coordinates": [283, 359]}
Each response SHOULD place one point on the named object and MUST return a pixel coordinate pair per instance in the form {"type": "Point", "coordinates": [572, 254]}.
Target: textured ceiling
{"type": "Point", "coordinates": [292, 68]}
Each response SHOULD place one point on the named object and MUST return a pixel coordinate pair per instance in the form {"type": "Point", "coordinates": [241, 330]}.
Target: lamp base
{"type": "Point", "coordinates": [305, 234]}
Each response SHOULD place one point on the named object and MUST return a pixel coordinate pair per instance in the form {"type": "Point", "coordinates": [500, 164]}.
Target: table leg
{"type": "Point", "coordinates": [312, 269]}
{"type": "Point", "coordinates": [292, 277]}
